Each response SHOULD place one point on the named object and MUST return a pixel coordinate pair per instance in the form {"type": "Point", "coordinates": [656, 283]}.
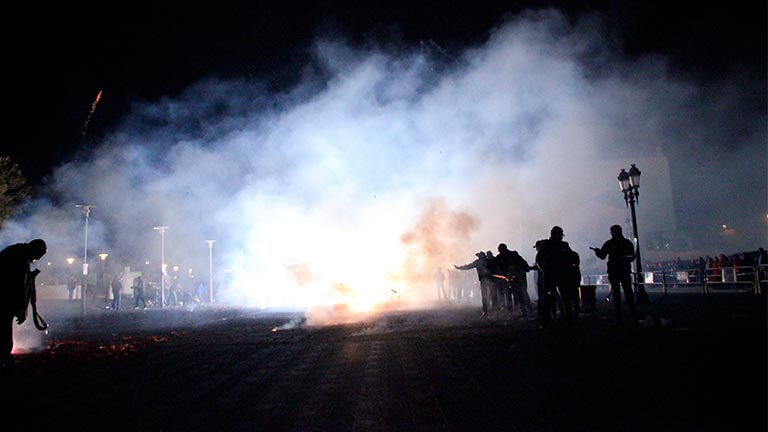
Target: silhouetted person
{"type": "Point", "coordinates": [498, 285]}
{"type": "Point", "coordinates": [71, 285]}
{"type": "Point", "coordinates": [172, 299]}
{"type": "Point", "coordinates": [454, 285]}
{"type": "Point", "coordinates": [439, 277]}
{"type": "Point", "coordinates": [540, 292]}
{"type": "Point", "coordinates": [512, 269]}
{"type": "Point", "coordinates": [747, 268]}
{"type": "Point", "coordinates": [571, 283]}
{"type": "Point", "coordinates": [199, 293]}
{"type": "Point", "coordinates": [138, 293]}
{"type": "Point", "coordinates": [483, 275]}
{"type": "Point", "coordinates": [18, 289]}
{"type": "Point", "coordinates": [117, 291]}
{"type": "Point", "coordinates": [552, 260]}
{"type": "Point", "coordinates": [620, 252]}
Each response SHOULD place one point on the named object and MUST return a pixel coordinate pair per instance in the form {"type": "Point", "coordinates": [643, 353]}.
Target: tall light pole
{"type": "Point", "coordinates": [162, 263]}
{"type": "Point", "coordinates": [629, 182]}
{"type": "Point", "coordinates": [70, 279]}
{"type": "Point", "coordinates": [103, 258]}
{"type": "Point", "coordinates": [210, 269]}
{"type": "Point", "coordinates": [84, 288]}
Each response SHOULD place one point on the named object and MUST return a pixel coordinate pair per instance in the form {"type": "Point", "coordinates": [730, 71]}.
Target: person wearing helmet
{"type": "Point", "coordinates": [18, 289]}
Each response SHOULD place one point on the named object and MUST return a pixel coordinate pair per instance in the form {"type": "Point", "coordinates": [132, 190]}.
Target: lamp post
{"type": "Point", "coordinates": [84, 287]}
{"type": "Point", "coordinates": [629, 182]}
{"type": "Point", "coordinates": [210, 269]}
{"type": "Point", "coordinates": [103, 258]}
{"type": "Point", "coordinates": [162, 263]}
{"type": "Point", "coordinates": [71, 284]}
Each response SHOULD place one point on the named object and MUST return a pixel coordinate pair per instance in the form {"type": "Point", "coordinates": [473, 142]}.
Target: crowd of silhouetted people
{"type": "Point", "coordinates": [500, 285]}
{"type": "Point", "coordinates": [747, 266]}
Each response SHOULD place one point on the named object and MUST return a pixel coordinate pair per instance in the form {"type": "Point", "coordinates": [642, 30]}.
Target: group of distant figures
{"type": "Point", "coordinates": [503, 282]}
{"type": "Point", "coordinates": [175, 294]}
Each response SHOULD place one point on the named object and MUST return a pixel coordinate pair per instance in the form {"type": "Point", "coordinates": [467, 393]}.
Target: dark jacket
{"type": "Point", "coordinates": [620, 252]}
{"type": "Point", "coordinates": [553, 257]}
{"type": "Point", "coordinates": [510, 264]}
{"type": "Point", "coordinates": [17, 280]}
{"type": "Point", "coordinates": [480, 265]}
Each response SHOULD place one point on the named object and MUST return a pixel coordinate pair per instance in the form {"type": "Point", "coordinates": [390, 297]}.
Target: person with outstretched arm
{"type": "Point", "coordinates": [620, 253]}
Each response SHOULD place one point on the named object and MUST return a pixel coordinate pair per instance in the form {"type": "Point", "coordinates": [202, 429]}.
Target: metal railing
{"type": "Point", "coordinates": [721, 279]}
{"type": "Point", "coordinates": [731, 278]}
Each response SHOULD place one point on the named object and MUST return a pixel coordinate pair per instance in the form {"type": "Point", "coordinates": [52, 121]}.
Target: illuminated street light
{"type": "Point", "coordinates": [629, 182]}
{"type": "Point", "coordinates": [84, 288]}
{"type": "Point", "coordinates": [70, 279]}
{"type": "Point", "coordinates": [210, 269]}
{"type": "Point", "coordinates": [162, 229]}
{"type": "Point", "coordinates": [103, 258]}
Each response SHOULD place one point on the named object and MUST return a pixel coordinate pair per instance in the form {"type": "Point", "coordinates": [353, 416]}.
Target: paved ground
{"type": "Point", "coordinates": [701, 368]}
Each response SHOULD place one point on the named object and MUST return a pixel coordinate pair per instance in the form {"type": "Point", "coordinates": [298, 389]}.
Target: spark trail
{"type": "Point", "coordinates": [90, 113]}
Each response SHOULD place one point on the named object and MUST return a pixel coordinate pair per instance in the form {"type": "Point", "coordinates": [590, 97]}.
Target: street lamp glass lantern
{"type": "Point", "coordinates": [634, 176]}
{"type": "Point", "coordinates": [624, 180]}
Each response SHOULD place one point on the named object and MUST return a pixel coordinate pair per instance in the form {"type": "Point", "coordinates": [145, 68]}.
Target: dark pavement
{"type": "Point", "coordinates": [700, 368]}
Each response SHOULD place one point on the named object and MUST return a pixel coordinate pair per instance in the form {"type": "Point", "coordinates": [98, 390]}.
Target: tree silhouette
{"type": "Point", "coordinates": [13, 188]}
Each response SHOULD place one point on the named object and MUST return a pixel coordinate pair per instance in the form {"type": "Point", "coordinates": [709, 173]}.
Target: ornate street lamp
{"type": "Point", "coordinates": [629, 182]}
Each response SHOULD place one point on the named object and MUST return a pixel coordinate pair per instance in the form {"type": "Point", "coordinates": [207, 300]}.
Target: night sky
{"type": "Point", "coordinates": [59, 56]}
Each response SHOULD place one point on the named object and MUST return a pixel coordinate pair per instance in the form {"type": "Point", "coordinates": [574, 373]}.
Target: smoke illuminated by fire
{"type": "Point", "coordinates": [359, 269]}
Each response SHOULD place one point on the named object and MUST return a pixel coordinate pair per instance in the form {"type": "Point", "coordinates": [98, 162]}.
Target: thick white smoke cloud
{"type": "Point", "coordinates": [356, 184]}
